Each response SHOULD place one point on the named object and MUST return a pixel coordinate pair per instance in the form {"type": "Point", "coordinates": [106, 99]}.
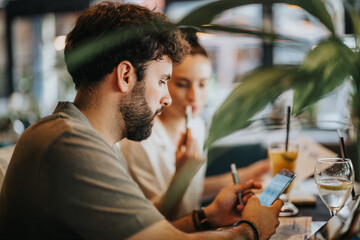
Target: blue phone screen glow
{"type": "Point", "coordinates": [275, 188]}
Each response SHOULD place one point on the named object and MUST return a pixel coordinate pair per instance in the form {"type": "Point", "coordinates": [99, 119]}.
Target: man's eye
{"type": "Point", "coordinates": [163, 82]}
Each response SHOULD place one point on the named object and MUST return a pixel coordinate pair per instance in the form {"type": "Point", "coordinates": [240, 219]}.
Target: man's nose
{"type": "Point", "coordinates": [166, 100]}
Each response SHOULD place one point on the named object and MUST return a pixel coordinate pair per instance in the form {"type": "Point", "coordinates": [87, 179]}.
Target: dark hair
{"type": "Point", "coordinates": [195, 47]}
{"type": "Point", "coordinates": [111, 32]}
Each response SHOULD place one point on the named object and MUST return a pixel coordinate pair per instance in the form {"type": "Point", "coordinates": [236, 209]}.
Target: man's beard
{"type": "Point", "coordinates": [137, 114]}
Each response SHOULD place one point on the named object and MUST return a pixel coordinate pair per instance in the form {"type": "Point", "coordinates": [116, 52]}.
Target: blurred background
{"type": "Point", "coordinates": [33, 75]}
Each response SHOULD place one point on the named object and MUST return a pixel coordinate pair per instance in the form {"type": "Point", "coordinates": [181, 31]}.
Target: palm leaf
{"type": "Point", "coordinates": [354, 15]}
{"type": "Point", "coordinates": [325, 68]}
{"type": "Point", "coordinates": [256, 90]}
{"type": "Point", "coordinates": [206, 14]}
{"type": "Point", "coordinates": [247, 31]}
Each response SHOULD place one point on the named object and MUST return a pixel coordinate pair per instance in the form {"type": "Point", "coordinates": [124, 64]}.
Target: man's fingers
{"type": "Point", "coordinates": [247, 195]}
{"type": "Point", "coordinates": [248, 191]}
{"type": "Point", "coordinates": [254, 199]}
{"type": "Point", "coordinates": [243, 186]}
{"type": "Point", "coordinates": [277, 205]}
{"type": "Point", "coordinates": [257, 185]}
{"type": "Point", "coordinates": [240, 207]}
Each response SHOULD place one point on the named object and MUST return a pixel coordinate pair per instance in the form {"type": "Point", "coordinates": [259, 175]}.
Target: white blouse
{"type": "Point", "coordinates": [151, 163]}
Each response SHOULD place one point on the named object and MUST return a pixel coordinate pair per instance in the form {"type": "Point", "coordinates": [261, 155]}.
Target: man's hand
{"type": "Point", "coordinates": [224, 210]}
{"type": "Point", "coordinates": [264, 218]}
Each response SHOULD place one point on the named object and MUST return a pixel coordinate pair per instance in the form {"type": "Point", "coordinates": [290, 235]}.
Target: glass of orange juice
{"type": "Point", "coordinates": [281, 157]}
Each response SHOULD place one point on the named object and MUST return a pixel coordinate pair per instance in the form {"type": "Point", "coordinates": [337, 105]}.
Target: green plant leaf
{"type": "Point", "coordinates": [356, 75]}
{"type": "Point", "coordinates": [255, 91]}
{"type": "Point", "coordinates": [354, 15]}
{"type": "Point", "coordinates": [325, 68]}
{"type": "Point", "coordinates": [355, 95]}
{"type": "Point", "coordinates": [206, 13]}
{"type": "Point", "coordinates": [248, 31]}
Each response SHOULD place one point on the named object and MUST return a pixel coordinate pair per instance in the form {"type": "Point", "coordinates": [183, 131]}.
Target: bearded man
{"type": "Point", "coordinates": [65, 181]}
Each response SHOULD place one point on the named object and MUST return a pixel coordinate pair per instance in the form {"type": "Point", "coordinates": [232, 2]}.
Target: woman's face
{"type": "Point", "coordinates": [188, 84]}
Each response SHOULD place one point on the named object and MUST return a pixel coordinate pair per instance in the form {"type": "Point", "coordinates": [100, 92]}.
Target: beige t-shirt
{"type": "Point", "coordinates": [65, 182]}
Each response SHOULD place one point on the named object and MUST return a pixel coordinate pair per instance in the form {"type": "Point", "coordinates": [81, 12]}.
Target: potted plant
{"type": "Point", "coordinates": [325, 67]}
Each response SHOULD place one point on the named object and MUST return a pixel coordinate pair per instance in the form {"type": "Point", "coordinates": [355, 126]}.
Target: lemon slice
{"type": "Point", "coordinates": [343, 186]}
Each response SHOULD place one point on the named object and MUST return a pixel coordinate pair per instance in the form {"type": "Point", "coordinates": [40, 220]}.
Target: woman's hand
{"type": "Point", "coordinates": [187, 151]}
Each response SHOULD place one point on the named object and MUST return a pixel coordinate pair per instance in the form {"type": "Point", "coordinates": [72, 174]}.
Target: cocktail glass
{"type": "Point", "coordinates": [334, 178]}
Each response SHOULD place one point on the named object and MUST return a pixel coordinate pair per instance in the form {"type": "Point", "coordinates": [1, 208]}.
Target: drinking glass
{"type": "Point", "coordinates": [280, 158]}
{"type": "Point", "coordinates": [334, 178]}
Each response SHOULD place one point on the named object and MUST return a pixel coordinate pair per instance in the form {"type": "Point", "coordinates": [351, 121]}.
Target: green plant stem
{"type": "Point", "coordinates": [357, 171]}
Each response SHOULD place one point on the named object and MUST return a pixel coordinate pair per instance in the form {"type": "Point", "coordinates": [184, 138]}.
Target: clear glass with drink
{"type": "Point", "coordinates": [282, 156]}
{"type": "Point", "coordinates": [334, 178]}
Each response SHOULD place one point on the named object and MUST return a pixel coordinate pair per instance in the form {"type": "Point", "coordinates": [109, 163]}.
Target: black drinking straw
{"type": "Point", "coordinates": [344, 154]}
{"type": "Point", "coordinates": [287, 128]}
{"type": "Point", "coordinates": [342, 145]}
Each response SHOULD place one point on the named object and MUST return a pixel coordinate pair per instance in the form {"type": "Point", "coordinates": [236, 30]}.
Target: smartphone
{"type": "Point", "coordinates": [277, 186]}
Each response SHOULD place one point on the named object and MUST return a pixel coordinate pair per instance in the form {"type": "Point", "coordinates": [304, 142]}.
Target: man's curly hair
{"type": "Point", "coordinates": [111, 32]}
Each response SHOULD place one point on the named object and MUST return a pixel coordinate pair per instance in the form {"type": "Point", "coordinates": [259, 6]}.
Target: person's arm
{"type": "Point", "coordinates": [254, 171]}
{"type": "Point", "coordinates": [92, 193]}
{"type": "Point", "coordinates": [213, 184]}
{"type": "Point", "coordinates": [188, 162]}
{"type": "Point", "coordinates": [164, 230]}
{"type": "Point", "coordinates": [221, 212]}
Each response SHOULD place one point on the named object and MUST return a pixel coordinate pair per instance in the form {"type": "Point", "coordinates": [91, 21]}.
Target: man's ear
{"type": "Point", "coordinates": [125, 76]}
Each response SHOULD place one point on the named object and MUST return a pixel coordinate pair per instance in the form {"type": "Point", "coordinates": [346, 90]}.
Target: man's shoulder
{"type": "Point", "coordinates": [59, 130]}
{"type": "Point", "coordinates": [62, 142]}
{"type": "Point", "coordinates": [56, 125]}
{"type": "Point", "coordinates": [66, 117]}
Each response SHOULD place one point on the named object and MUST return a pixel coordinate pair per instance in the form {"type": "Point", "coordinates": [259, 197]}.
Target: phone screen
{"type": "Point", "coordinates": [277, 185]}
